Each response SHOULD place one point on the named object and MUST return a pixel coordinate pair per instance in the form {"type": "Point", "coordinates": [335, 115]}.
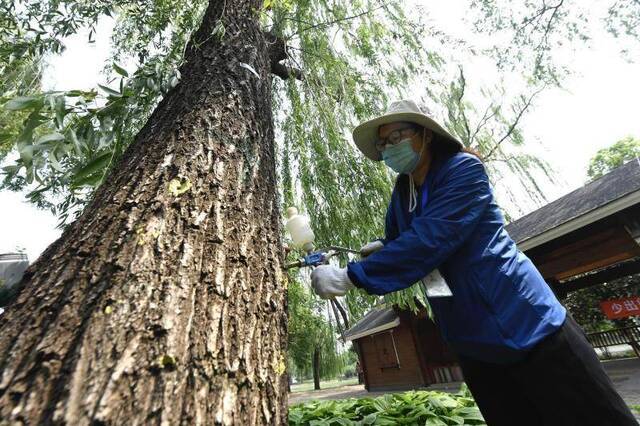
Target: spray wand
{"type": "Point", "coordinates": [303, 237]}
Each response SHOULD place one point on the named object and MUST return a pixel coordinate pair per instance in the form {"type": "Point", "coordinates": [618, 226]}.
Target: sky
{"type": "Point", "coordinates": [597, 107]}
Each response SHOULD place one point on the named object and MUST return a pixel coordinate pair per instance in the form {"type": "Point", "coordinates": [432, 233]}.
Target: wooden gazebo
{"type": "Point", "coordinates": [587, 237]}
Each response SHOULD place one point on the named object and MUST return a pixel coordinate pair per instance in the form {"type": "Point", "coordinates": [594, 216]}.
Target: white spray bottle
{"type": "Point", "coordinates": [299, 229]}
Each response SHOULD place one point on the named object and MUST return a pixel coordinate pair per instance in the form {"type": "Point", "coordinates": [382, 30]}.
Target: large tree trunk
{"type": "Point", "coordinates": [162, 303]}
{"type": "Point", "coordinates": [316, 368]}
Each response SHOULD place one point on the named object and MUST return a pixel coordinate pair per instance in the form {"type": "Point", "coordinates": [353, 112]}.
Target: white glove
{"type": "Point", "coordinates": [329, 281]}
{"type": "Point", "coordinates": [371, 248]}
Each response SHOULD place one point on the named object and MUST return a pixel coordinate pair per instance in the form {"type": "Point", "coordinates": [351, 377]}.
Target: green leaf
{"type": "Point", "coordinates": [468, 413]}
{"type": "Point", "coordinates": [151, 84]}
{"type": "Point", "coordinates": [110, 91]}
{"type": "Point", "coordinates": [456, 420]}
{"type": "Point", "coordinates": [96, 165]}
{"type": "Point", "coordinates": [54, 163]}
{"type": "Point", "coordinates": [11, 170]}
{"type": "Point", "coordinates": [435, 421]}
{"type": "Point", "coordinates": [369, 419]}
{"type": "Point", "coordinates": [61, 111]}
{"type": "Point", "coordinates": [51, 137]}
{"type": "Point", "coordinates": [92, 181]}
{"type": "Point", "coordinates": [24, 102]}
{"type": "Point", "coordinates": [26, 153]}
{"type": "Point", "coordinates": [295, 416]}
{"type": "Point", "coordinates": [5, 136]}
{"type": "Point", "coordinates": [120, 70]}
{"type": "Point", "coordinates": [76, 142]}
{"type": "Point", "coordinates": [75, 93]}
{"type": "Point", "coordinates": [386, 420]}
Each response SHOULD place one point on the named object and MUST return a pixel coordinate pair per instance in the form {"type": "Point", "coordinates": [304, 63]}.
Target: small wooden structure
{"type": "Point", "coordinates": [399, 350]}
{"type": "Point", "coordinates": [587, 237]}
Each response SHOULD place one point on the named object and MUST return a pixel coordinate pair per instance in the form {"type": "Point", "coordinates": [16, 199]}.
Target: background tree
{"type": "Point", "coordinates": [20, 74]}
{"type": "Point", "coordinates": [312, 338]}
{"type": "Point", "coordinates": [346, 81]}
{"type": "Point", "coordinates": [163, 302]}
{"type": "Point", "coordinates": [584, 304]}
{"type": "Point", "coordinates": [492, 130]}
{"type": "Point", "coordinates": [616, 155]}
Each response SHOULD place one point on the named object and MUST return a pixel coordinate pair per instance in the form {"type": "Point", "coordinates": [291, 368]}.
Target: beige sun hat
{"type": "Point", "coordinates": [366, 134]}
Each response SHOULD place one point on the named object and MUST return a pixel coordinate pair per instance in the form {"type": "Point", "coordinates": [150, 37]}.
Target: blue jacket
{"type": "Point", "coordinates": [501, 306]}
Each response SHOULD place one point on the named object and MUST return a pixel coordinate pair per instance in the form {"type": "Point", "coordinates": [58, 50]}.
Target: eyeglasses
{"type": "Point", "coordinates": [395, 137]}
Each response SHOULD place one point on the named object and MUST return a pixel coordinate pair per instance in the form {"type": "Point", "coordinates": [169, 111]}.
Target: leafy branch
{"type": "Point", "coordinates": [514, 124]}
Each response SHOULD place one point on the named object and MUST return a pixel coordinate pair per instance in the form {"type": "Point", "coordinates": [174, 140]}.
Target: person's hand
{"type": "Point", "coordinates": [329, 281]}
{"type": "Point", "coordinates": [370, 248]}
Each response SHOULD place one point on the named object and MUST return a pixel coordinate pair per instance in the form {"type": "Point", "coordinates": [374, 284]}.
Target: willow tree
{"type": "Point", "coordinates": [163, 302]}
{"type": "Point", "coordinates": [312, 340]}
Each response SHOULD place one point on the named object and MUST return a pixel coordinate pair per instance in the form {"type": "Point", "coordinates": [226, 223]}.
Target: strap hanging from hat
{"type": "Point", "coordinates": [413, 194]}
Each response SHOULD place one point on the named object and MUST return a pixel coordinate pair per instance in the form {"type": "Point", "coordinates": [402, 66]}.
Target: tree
{"type": "Point", "coordinates": [19, 76]}
{"type": "Point", "coordinates": [312, 339]}
{"type": "Point", "coordinates": [539, 36]}
{"type": "Point", "coordinates": [163, 301]}
{"type": "Point", "coordinates": [344, 82]}
{"type": "Point", "coordinates": [175, 258]}
{"type": "Point", "coordinates": [584, 304]}
{"type": "Point", "coordinates": [616, 155]}
{"type": "Point", "coordinates": [92, 147]}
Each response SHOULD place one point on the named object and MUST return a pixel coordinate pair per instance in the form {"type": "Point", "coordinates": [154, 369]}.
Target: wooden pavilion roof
{"type": "Point", "coordinates": [592, 230]}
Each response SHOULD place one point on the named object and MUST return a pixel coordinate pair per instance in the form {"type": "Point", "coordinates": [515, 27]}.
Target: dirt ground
{"type": "Point", "coordinates": [624, 373]}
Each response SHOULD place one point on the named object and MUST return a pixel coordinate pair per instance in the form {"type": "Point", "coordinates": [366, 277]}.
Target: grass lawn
{"type": "Point", "coordinates": [308, 385]}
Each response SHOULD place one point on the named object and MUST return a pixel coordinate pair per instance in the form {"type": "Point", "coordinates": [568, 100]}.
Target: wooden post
{"type": "Point", "coordinates": [632, 341]}
{"type": "Point", "coordinates": [363, 363]}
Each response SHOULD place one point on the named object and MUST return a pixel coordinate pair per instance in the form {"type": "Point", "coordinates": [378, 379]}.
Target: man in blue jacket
{"type": "Point", "coordinates": [523, 358]}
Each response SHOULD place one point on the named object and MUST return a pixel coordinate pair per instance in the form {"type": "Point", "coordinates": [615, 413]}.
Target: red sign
{"type": "Point", "coordinates": [621, 308]}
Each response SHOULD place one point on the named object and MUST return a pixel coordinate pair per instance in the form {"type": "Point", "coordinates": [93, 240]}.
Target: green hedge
{"type": "Point", "coordinates": [408, 408]}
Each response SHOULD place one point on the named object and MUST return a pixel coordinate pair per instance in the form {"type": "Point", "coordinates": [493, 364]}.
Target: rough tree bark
{"type": "Point", "coordinates": [162, 303]}
{"type": "Point", "coordinates": [316, 368]}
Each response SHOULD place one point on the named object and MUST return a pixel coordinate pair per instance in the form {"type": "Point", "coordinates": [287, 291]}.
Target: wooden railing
{"type": "Point", "coordinates": [619, 336]}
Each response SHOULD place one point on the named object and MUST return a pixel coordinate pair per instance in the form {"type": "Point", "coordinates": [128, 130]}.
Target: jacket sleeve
{"type": "Point", "coordinates": [454, 208]}
{"type": "Point", "coordinates": [390, 226]}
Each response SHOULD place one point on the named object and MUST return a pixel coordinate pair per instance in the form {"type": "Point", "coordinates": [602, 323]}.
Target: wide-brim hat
{"type": "Point", "coordinates": [406, 110]}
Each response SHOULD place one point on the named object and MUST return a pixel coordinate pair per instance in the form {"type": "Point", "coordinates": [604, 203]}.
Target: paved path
{"type": "Point", "coordinates": [356, 391]}
{"type": "Point", "coordinates": [625, 374]}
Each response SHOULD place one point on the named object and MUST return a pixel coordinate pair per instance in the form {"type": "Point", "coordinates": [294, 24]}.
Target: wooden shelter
{"type": "Point", "coordinates": [587, 237]}
{"type": "Point", "coordinates": [400, 350]}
